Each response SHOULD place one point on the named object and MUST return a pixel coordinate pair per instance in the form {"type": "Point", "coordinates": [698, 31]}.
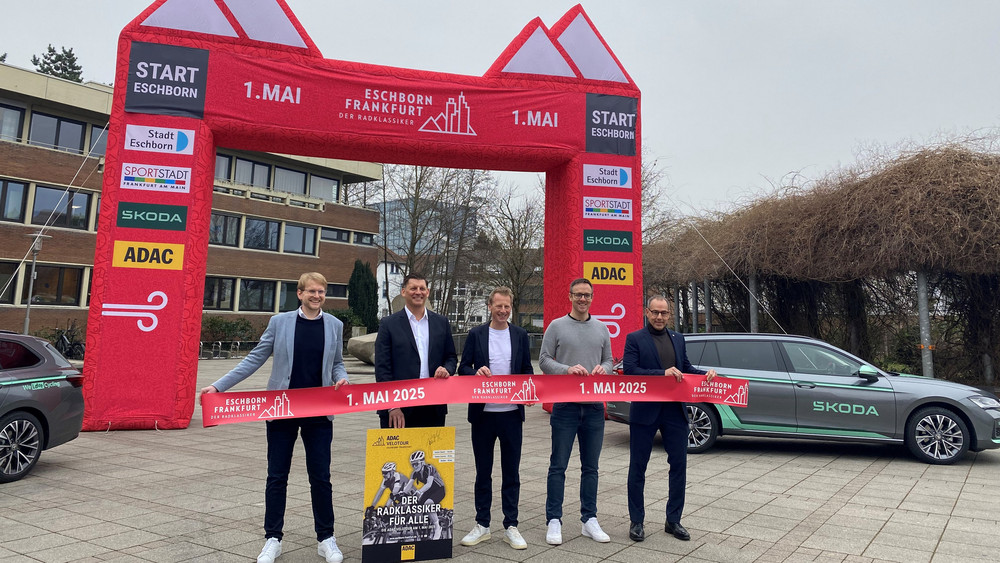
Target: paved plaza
{"type": "Point", "coordinates": [197, 495]}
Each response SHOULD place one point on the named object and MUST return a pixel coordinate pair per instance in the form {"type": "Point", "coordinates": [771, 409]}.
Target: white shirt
{"type": "Point", "coordinates": [422, 335]}
{"type": "Point", "coordinates": [499, 364]}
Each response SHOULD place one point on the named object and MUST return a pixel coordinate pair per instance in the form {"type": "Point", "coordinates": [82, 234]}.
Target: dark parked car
{"type": "Point", "coordinates": [41, 402]}
{"type": "Point", "coordinates": [805, 388]}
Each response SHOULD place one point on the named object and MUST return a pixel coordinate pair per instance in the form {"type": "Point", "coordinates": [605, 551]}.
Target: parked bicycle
{"type": "Point", "coordinates": [70, 341]}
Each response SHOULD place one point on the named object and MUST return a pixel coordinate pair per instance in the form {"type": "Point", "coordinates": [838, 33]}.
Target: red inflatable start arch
{"type": "Point", "coordinates": [196, 74]}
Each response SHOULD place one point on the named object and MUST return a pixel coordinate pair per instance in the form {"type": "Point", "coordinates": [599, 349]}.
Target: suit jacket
{"type": "Point", "coordinates": [279, 339]}
{"type": "Point", "coordinates": [476, 354]}
{"type": "Point", "coordinates": [396, 356]}
{"type": "Point", "coordinates": [642, 358]}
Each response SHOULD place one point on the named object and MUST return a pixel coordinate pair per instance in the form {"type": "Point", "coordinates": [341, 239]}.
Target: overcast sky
{"type": "Point", "coordinates": [735, 95]}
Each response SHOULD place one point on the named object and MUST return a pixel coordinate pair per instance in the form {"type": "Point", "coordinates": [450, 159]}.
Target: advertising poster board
{"type": "Point", "coordinates": [409, 494]}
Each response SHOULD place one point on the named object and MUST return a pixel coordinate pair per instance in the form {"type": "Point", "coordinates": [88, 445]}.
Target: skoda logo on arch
{"type": "Point", "coordinates": [159, 139]}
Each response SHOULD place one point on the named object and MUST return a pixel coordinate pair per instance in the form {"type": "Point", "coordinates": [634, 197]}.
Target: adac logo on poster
{"type": "Point", "coordinates": [391, 440]}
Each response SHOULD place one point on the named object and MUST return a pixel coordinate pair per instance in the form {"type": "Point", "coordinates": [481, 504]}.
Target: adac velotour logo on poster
{"type": "Point", "coordinates": [159, 139]}
{"type": "Point", "coordinates": [607, 176]}
{"type": "Point", "coordinates": [615, 208]}
{"type": "Point", "coordinates": [148, 255]}
{"type": "Point", "coordinates": [156, 178]}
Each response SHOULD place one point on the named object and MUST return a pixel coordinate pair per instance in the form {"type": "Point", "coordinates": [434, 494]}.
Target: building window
{"type": "Point", "coordinates": [290, 181]}
{"type": "Point", "coordinates": [224, 230]}
{"type": "Point", "coordinates": [11, 122]}
{"type": "Point", "coordinates": [364, 238]}
{"type": "Point", "coordinates": [326, 189]}
{"type": "Point", "coordinates": [55, 285]}
{"type": "Point", "coordinates": [219, 294]}
{"type": "Point", "coordinates": [61, 208]}
{"type": "Point", "coordinates": [12, 200]}
{"type": "Point", "coordinates": [252, 173]}
{"type": "Point", "coordinates": [56, 132]}
{"type": "Point", "coordinates": [336, 235]}
{"type": "Point", "coordinates": [222, 163]}
{"type": "Point", "coordinates": [8, 277]}
{"type": "Point", "coordinates": [289, 296]}
{"type": "Point", "coordinates": [257, 295]}
{"type": "Point", "coordinates": [98, 140]}
{"type": "Point", "coordinates": [338, 290]}
{"type": "Point", "coordinates": [261, 234]}
{"type": "Point", "coordinates": [300, 240]}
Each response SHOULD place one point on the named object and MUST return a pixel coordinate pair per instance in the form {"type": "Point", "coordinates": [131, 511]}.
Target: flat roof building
{"type": "Point", "coordinates": [273, 217]}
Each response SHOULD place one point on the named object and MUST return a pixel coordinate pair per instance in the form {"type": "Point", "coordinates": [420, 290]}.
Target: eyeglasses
{"type": "Point", "coordinates": [653, 313]}
{"type": "Point", "coordinates": [587, 296]}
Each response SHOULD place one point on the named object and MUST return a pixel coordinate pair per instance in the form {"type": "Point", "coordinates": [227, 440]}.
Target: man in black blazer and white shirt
{"type": "Point", "coordinates": [414, 343]}
{"type": "Point", "coordinates": [497, 348]}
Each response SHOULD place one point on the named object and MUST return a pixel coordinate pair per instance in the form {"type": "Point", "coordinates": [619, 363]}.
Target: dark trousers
{"type": "Point", "coordinates": [488, 428]}
{"type": "Point", "coordinates": [585, 422]}
{"type": "Point", "coordinates": [317, 437]}
{"type": "Point", "coordinates": [426, 416]}
{"type": "Point", "coordinates": [672, 423]}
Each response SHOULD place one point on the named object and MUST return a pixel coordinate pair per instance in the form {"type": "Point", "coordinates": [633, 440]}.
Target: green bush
{"type": "Point", "coordinates": [228, 329]}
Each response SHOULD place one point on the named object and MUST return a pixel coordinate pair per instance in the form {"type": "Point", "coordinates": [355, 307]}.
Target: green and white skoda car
{"type": "Point", "coordinates": [805, 388]}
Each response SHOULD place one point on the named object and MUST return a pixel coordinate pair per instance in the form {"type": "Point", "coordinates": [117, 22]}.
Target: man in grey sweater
{"type": "Point", "coordinates": [576, 344]}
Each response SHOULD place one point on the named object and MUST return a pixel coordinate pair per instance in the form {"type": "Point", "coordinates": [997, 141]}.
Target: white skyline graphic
{"type": "Point", "coordinates": [740, 396]}
{"type": "Point", "coordinates": [528, 393]}
{"type": "Point", "coordinates": [454, 120]}
{"type": "Point", "coordinates": [280, 409]}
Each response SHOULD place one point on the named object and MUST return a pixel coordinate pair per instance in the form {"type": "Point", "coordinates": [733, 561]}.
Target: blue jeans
{"type": "Point", "coordinates": [584, 421]}
{"type": "Point", "coordinates": [317, 436]}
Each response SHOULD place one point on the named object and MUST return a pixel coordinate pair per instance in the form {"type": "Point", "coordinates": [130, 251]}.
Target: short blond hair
{"type": "Point", "coordinates": [500, 290]}
{"type": "Point", "coordinates": [311, 277]}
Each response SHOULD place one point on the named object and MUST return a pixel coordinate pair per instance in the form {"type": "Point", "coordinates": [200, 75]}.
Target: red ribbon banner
{"type": "Point", "coordinates": [246, 406]}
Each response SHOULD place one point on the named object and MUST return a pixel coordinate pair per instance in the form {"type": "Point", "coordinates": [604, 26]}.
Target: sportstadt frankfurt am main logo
{"type": "Point", "coordinates": [454, 120]}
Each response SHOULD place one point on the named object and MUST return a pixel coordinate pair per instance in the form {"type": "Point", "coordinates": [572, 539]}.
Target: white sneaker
{"type": "Point", "coordinates": [592, 529]}
{"type": "Point", "coordinates": [513, 537]}
{"type": "Point", "coordinates": [478, 534]}
{"type": "Point", "coordinates": [554, 534]}
{"type": "Point", "coordinates": [328, 549]}
{"type": "Point", "coordinates": [271, 551]}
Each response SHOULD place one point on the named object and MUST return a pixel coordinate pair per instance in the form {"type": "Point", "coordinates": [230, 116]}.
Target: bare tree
{"type": "Point", "coordinates": [429, 221]}
{"type": "Point", "coordinates": [511, 251]}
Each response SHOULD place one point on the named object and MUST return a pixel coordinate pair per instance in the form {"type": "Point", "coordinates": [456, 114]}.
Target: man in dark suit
{"type": "Point", "coordinates": [657, 350]}
{"type": "Point", "coordinates": [414, 343]}
{"type": "Point", "coordinates": [497, 348]}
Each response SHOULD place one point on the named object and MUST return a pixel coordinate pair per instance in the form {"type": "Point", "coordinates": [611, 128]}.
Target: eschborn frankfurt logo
{"type": "Point", "coordinates": [607, 176]}
{"type": "Point", "coordinates": [282, 408]}
{"type": "Point", "coordinates": [159, 139]}
{"type": "Point", "coordinates": [454, 120]}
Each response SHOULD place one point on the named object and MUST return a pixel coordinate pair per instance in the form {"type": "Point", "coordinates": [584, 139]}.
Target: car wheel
{"type": "Point", "coordinates": [21, 439]}
{"type": "Point", "coordinates": [703, 427]}
{"type": "Point", "coordinates": [937, 435]}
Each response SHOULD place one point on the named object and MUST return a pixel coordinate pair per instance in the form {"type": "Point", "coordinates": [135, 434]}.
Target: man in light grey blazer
{"type": "Point", "coordinates": [307, 345]}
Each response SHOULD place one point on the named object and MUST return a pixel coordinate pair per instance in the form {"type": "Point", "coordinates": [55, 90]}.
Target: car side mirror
{"type": "Point", "coordinates": [868, 373]}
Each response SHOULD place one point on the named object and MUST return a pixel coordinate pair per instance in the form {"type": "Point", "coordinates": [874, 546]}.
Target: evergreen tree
{"type": "Point", "coordinates": [61, 64]}
{"type": "Point", "coordinates": [362, 295]}
{"type": "Point", "coordinates": [3, 57]}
